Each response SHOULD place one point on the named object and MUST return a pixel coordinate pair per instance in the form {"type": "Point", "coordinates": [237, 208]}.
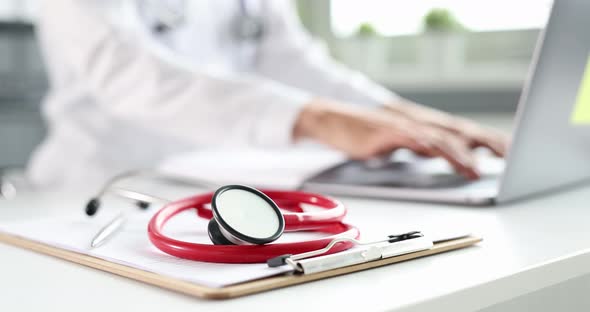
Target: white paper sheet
{"type": "Point", "coordinates": [275, 168]}
{"type": "Point", "coordinates": [132, 247]}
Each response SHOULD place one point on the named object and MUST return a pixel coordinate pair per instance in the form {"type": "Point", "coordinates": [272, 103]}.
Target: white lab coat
{"type": "Point", "coordinates": [123, 97]}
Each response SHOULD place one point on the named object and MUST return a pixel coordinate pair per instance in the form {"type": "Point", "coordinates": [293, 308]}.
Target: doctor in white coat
{"type": "Point", "coordinates": [133, 81]}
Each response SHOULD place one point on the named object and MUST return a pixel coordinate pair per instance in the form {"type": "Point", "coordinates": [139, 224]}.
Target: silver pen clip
{"type": "Point", "coordinates": [313, 262]}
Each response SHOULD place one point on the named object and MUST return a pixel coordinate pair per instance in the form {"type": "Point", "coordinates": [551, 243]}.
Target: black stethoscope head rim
{"type": "Point", "coordinates": [234, 235]}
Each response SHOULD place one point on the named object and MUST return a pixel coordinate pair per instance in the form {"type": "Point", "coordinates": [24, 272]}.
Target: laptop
{"type": "Point", "coordinates": [550, 146]}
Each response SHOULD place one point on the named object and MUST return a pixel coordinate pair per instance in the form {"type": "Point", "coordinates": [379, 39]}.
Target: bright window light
{"type": "Point", "coordinates": [402, 17]}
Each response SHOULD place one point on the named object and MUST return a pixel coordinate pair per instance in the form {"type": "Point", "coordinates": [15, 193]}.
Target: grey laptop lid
{"type": "Point", "coordinates": [551, 145]}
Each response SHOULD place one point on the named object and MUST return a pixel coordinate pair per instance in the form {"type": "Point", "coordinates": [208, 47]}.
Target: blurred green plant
{"type": "Point", "coordinates": [366, 30]}
{"type": "Point", "coordinates": [441, 20]}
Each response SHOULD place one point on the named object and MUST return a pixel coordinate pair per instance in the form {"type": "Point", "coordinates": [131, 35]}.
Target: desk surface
{"type": "Point", "coordinates": [528, 246]}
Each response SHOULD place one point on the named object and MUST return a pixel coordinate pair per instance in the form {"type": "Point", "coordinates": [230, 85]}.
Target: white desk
{"type": "Point", "coordinates": [538, 250]}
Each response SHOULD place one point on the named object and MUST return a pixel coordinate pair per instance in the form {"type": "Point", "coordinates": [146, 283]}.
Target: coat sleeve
{"type": "Point", "coordinates": [290, 55]}
{"type": "Point", "coordinates": [135, 83]}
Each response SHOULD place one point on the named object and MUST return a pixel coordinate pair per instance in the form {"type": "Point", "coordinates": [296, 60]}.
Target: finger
{"type": "Point", "coordinates": [456, 151]}
{"type": "Point", "coordinates": [390, 140]}
{"type": "Point", "coordinates": [427, 141]}
{"type": "Point", "coordinates": [460, 156]}
{"type": "Point", "coordinates": [378, 161]}
{"type": "Point", "coordinates": [432, 143]}
{"type": "Point", "coordinates": [480, 136]}
{"type": "Point", "coordinates": [498, 144]}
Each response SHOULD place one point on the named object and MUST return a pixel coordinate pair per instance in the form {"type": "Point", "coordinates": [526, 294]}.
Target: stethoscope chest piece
{"type": "Point", "coordinates": [244, 216]}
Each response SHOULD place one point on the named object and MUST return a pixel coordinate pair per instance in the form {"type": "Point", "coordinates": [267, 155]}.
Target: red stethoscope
{"type": "Point", "coordinates": [245, 221]}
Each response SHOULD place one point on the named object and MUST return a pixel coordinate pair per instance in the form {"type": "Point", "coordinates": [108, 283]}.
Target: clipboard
{"type": "Point", "coordinates": [232, 291]}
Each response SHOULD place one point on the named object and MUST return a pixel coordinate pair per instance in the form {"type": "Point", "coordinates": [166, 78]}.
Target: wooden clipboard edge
{"type": "Point", "coordinates": [154, 279]}
{"type": "Point", "coordinates": [228, 292]}
{"type": "Point", "coordinates": [276, 282]}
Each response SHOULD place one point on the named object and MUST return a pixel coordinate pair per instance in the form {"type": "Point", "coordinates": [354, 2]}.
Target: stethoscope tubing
{"type": "Point", "coordinates": [327, 221]}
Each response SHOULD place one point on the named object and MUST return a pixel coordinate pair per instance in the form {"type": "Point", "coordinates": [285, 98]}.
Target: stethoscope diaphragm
{"type": "Point", "coordinates": [243, 215]}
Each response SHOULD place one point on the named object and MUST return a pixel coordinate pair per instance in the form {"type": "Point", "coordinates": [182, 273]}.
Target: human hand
{"type": "Point", "coordinates": [475, 135]}
{"type": "Point", "coordinates": [364, 134]}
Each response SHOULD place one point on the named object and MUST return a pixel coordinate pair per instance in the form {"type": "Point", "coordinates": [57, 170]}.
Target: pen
{"type": "Point", "coordinates": [108, 231]}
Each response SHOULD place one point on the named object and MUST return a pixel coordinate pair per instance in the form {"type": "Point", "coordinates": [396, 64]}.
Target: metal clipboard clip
{"type": "Point", "coordinates": [394, 245]}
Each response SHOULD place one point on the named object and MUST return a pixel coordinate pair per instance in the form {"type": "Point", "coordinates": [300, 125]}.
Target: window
{"type": "Point", "coordinates": [17, 10]}
{"type": "Point", "coordinates": [402, 17]}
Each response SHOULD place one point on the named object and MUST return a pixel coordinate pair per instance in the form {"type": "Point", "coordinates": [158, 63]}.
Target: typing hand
{"type": "Point", "coordinates": [365, 134]}
{"type": "Point", "coordinates": [474, 134]}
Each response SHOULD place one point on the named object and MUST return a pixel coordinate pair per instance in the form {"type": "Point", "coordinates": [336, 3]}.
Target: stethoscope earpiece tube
{"type": "Point", "coordinates": [92, 206]}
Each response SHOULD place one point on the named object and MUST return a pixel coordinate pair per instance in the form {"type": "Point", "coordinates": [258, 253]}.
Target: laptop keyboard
{"type": "Point", "coordinates": [391, 174]}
